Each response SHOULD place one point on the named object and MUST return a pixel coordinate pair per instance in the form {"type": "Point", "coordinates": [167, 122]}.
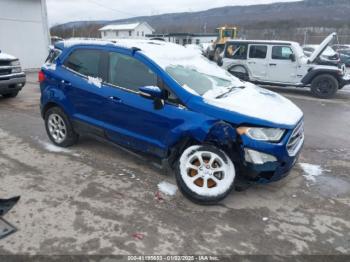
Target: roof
{"type": "Point", "coordinates": [185, 34]}
{"type": "Point", "coordinates": [163, 53]}
{"type": "Point", "coordinates": [125, 27]}
{"type": "Point", "coordinates": [276, 42]}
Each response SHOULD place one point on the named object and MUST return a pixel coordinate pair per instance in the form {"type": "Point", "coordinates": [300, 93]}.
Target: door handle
{"type": "Point", "coordinates": [251, 63]}
{"type": "Point", "coordinates": [65, 83]}
{"type": "Point", "coordinates": [115, 99]}
{"type": "Point", "coordinates": [273, 64]}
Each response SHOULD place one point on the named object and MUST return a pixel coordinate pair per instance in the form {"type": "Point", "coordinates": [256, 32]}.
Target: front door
{"type": "Point", "coordinates": [257, 62]}
{"type": "Point", "coordinates": [131, 120]}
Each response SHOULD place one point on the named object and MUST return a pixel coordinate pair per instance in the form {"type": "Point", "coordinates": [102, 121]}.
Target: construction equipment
{"type": "Point", "coordinates": [225, 33]}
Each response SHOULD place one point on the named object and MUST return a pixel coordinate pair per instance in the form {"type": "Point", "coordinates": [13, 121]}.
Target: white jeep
{"type": "Point", "coordinates": [283, 63]}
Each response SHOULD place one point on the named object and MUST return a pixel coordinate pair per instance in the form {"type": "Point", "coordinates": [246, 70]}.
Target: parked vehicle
{"type": "Point", "coordinates": [284, 63]}
{"type": "Point", "coordinates": [12, 78]}
{"type": "Point", "coordinates": [328, 57]}
{"type": "Point", "coordinates": [345, 56]}
{"type": "Point", "coordinates": [166, 100]}
{"type": "Point", "coordinates": [340, 47]}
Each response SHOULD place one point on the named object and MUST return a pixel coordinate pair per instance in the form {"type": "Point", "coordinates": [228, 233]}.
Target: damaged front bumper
{"type": "Point", "coordinates": [265, 162]}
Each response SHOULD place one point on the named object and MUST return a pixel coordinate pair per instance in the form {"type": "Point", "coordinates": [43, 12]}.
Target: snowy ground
{"type": "Point", "coordinates": [96, 199]}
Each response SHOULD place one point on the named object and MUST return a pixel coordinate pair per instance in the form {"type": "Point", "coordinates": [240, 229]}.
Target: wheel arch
{"type": "Point", "coordinates": [220, 134]}
{"type": "Point", "coordinates": [311, 75]}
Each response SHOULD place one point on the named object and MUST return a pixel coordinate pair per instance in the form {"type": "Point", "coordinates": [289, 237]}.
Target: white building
{"type": "Point", "coordinates": [24, 31]}
{"type": "Point", "coordinates": [133, 30]}
{"type": "Point", "coordinates": [185, 38]}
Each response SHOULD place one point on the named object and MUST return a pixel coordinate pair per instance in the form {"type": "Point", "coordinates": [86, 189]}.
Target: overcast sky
{"type": "Point", "coordinates": [61, 11]}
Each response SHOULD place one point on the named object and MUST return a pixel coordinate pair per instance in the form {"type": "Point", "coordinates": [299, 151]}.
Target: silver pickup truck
{"type": "Point", "coordinates": [12, 78]}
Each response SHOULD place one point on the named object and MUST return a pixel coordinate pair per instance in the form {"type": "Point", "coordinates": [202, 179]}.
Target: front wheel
{"type": "Point", "coordinates": [205, 174]}
{"type": "Point", "coordinates": [324, 86]}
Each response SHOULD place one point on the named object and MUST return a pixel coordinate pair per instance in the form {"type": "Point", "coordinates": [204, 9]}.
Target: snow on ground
{"type": "Point", "coordinates": [95, 81]}
{"type": "Point", "coordinates": [167, 188]}
{"type": "Point", "coordinates": [55, 149]}
{"type": "Point", "coordinates": [311, 171]}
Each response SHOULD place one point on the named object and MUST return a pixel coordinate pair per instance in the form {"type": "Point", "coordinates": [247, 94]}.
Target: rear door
{"type": "Point", "coordinates": [281, 68]}
{"type": "Point", "coordinates": [257, 61]}
{"type": "Point", "coordinates": [80, 79]}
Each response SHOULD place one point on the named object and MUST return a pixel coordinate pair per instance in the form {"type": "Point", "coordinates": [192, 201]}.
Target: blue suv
{"type": "Point", "coordinates": [170, 102]}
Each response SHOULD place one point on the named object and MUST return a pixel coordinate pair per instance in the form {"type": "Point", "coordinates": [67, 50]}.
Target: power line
{"type": "Point", "coordinates": [110, 8]}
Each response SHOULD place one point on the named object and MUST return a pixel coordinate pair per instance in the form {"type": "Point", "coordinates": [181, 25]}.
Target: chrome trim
{"type": "Point", "coordinates": [296, 140]}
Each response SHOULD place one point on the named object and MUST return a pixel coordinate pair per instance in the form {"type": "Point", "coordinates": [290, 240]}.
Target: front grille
{"type": "Point", "coordinates": [5, 72]}
{"type": "Point", "coordinates": [296, 140]}
{"type": "Point", "coordinates": [5, 63]}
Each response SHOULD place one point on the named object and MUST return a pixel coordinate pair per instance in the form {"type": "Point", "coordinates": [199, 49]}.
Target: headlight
{"type": "Point", "coordinates": [262, 134]}
{"type": "Point", "coordinates": [15, 63]}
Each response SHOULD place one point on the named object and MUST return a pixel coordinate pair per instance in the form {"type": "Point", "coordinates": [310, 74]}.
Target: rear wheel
{"type": "Point", "coordinates": [10, 95]}
{"type": "Point", "coordinates": [205, 174]}
{"type": "Point", "coordinates": [324, 86]}
{"type": "Point", "coordinates": [59, 128]}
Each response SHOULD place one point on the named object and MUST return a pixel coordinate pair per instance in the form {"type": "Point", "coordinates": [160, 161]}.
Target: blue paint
{"type": "Point", "coordinates": [132, 120]}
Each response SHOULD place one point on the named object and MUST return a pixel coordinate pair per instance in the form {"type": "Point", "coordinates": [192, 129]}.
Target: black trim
{"type": "Point", "coordinates": [307, 79]}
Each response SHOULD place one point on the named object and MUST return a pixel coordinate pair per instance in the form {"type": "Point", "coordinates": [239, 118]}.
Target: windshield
{"type": "Point", "coordinates": [200, 83]}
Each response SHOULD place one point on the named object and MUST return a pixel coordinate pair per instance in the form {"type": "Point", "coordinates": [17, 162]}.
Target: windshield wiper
{"type": "Point", "coordinates": [229, 91]}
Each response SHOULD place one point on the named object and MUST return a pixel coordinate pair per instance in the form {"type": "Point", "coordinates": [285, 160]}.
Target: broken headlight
{"type": "Point", "coordinates": [261, 133]}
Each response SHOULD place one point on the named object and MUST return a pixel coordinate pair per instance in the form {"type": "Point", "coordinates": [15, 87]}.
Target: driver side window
{"type": "Point", "coordinates": [127, 72]}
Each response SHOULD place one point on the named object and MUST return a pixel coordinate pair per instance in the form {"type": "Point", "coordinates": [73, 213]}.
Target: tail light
{"type": "Point", "coordinates": [41, 76]}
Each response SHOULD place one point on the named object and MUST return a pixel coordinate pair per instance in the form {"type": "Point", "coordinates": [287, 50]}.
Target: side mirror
{"type": "Point", "coordinates": [151, 92]}
{"type": "Point", "coordinates": [292, 57]}
{"type": "Point", "coordinates": [155, 93]}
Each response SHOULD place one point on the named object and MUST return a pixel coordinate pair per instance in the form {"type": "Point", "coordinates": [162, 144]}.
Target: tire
{"type": "Point", "coordinates": [10, 95]}
{"type": "Point", "coordinates": [59, 128]}
{"type": "Point", "coordinates": [239, 72]}
{"type": "Point", "coordinates": [210, 186]}
{"type": "Point", "coordinates": [324, 86]}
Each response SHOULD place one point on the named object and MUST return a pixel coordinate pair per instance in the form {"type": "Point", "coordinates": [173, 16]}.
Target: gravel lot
{"type": "Point", "coordinates": [98, 199]}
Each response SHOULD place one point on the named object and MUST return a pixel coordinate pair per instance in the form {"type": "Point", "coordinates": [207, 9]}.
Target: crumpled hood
{"type": "Point", "coordinates": [258, 103]}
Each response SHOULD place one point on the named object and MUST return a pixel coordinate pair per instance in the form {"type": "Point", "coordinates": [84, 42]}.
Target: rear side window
{"type": "Point", "coordinates": [281, 52]}
{"type": "Point", "coordinates": [85, 61]}
{"type": "Point", "coordinates": [258, 51]}
{"type": "Point", "coordinates": [127, 72]}
{"type": "Point", "coordinates": [53, 55]}
{"type": "Point", "coordinates": [236, 51]}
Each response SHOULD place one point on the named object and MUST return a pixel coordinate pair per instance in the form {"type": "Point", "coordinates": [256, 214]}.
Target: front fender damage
{"type": "Point", "coordinates": [220, 134]}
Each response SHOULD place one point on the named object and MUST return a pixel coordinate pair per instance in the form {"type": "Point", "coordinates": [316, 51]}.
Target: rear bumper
{"type": "Point", "coordinates": [12, 83]}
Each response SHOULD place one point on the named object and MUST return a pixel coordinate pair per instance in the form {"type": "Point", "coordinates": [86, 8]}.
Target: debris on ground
{"type": "Point", "coordinates": [138, 236]}
{"type": "Point", "coordinates": [158, 196]}
{"type": "Point", "coordinates": [5, 206]}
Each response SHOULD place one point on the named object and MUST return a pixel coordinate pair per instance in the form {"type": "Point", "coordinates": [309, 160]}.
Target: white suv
{"type": "Point", "coordinates": [284, 63]}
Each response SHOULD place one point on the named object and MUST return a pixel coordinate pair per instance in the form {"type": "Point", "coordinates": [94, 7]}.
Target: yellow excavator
{"type": "Point", "coordinates": [225, 33]}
